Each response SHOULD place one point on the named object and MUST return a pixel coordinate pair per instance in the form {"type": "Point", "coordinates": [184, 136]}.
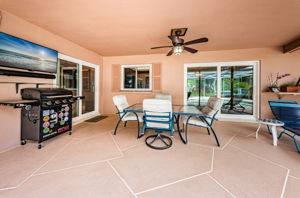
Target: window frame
{"type": "Point", "coordinates": [123, 67]}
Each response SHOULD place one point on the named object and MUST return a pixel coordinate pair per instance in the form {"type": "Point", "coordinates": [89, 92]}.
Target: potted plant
{"type": "Point", "coordinates": [273, 81]}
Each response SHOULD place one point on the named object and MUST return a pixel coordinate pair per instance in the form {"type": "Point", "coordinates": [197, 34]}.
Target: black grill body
{"type": "Point", "coordinates": [51, 117]}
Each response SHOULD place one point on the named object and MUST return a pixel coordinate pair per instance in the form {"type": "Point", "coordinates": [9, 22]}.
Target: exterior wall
{"type": "Point", "coordinates": [272, 60]}
{"type": "Point", "coordinates": [13, 25]}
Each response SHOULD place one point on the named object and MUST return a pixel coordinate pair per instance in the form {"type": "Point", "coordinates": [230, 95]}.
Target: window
{"type": "Point", "coordinates": [136, 77]}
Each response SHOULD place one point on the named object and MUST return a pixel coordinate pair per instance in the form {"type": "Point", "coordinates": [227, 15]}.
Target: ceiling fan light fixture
{"type": "Point", "coordinates": [177, 50]}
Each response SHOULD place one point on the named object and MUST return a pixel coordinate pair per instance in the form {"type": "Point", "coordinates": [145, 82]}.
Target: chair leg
{"type": "Point", "coordinates": [164, 139]}
{"type": "Point", "coordinates": [215, 136]}
{"type": "Point", "coordinates": [294, 139]}
{"type": "Point", "coordinates": [115, 133]}
{"type": "Point", "coordinates": [125, 123]}
{"type": "Point", "coordinates": [208, 131]}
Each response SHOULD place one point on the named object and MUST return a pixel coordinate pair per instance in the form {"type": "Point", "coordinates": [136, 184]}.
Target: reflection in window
{"type": "Point", "coordinates": [136, 77]}
{"type": "Point", "coordinates": [237, 89]}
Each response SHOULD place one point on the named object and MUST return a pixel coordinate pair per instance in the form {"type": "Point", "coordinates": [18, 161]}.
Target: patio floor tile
{"type": "Point", "coordinates": [245, 175]}
{"type": "Point", "coordinates": [89, 181]}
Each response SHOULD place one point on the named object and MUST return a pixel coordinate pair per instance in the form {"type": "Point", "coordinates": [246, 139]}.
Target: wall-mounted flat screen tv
{"type": "Point", "coordinates": [21, 54]}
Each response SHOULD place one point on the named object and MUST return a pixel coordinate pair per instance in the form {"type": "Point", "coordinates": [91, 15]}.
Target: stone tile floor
{"type": "Point", "coordinates": [92, 162]}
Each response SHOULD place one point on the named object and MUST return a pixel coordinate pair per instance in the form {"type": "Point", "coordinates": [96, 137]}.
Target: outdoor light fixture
{"type": "Point", "coordinates": [198, 74]}
{"type": "Point", "coordinates": [177, 50]}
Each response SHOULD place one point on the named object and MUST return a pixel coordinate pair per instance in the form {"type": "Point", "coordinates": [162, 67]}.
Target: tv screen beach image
{"type": "Point", "coordinates": [18, 53]}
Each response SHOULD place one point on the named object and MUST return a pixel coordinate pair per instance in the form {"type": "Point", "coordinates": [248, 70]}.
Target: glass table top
{"type": "Point", "coordinates": [177, 109]}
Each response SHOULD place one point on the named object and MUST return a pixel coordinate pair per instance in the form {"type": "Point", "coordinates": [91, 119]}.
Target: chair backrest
{"type": "Point", "coordinates": [212, 107]}
{"type": "Point", "coordinates": [158, 114]}
{"type": "Point", "coordinates": [163, 96]}
{"type": "Point", "coordinates": [121, 103]}
{"type": "Point", "coordinates": [289, 113]}
{"type": "Point", "coordinates": [283, 101]}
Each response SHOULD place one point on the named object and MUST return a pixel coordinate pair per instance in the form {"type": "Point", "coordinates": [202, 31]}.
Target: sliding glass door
{"type": "Point", "coordinates": [88, 89]}
{"type": "Point", "coordinates": [234, 82]}
{"type": "Point", "coordinates": [80, 77]}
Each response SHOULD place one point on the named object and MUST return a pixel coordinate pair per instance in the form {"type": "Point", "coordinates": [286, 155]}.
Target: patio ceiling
{"type": "Point", "coordinates": [132, 27]}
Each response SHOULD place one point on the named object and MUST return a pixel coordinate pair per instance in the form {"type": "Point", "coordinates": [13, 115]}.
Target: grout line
{"type": "Point", "coordinates": [130, 147]}
{"type": "Point", "coordinates": [245, 151]}
{"type": "Point", "coordinates": [117, 145]}
{"type": "Point", "coordinates": [122, 179]}
{"type": "Point", "coordinates": [77, 166]}
{"type": "Point", "coordinates": [291, 176]}
{"type": "Point", "coordinates": [251, 134]}
{"type": "Point", "coordinates": [229, 141]}
{"type": "Point", "coordinates": [86, 138]}
{"type": "Point", "coordinates": [168, 184]}
{"type": "Point", "coordinates": [32, 174]}
{"type": "Point", "coordinates": [212, 160]}
{"type": "Point", "coordinates": [204, 146]}
{"type": "Point", "coordinates": [284, 185]}
{"type": "Point", "coordinates": [223, 187]}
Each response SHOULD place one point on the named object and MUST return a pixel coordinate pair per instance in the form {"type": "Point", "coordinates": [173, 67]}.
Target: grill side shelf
{"type": "Point", "coordinates": [19, 103]}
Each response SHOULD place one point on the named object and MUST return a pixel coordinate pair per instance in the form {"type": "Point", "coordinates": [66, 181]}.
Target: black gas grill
{"type": "Point", "coordinates": [46, 113]}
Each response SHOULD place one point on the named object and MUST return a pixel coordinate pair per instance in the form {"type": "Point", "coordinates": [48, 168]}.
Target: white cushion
{"type": "Point", "coordinates": [157, 107]}
{"type": "Point", "coordinates": [196, 121]}
{"type": "Point", "coordinates": [213, 105]}
{"type": "Point", "coordinates": [120, 102]}
{"type": "Point", "coordinates": [131, 116]}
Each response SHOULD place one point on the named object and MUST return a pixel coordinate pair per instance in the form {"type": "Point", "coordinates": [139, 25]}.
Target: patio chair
{"type": "Point", "coordinates": [234, 103]}
{"type": "Point", "coordinates": [289, 114]}
{"type": "Point", "coordinates": [163, 96]}
{"type": "Point", "coordinates": [210, 111]}
{"type": "Point", "coordinates": [121, 103]}
{"type": "Point", "coordinates": [158, 117]}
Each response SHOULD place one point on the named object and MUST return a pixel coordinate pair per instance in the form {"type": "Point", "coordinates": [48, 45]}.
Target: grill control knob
{"type": "Point", "coordinates": [64, 101]}
{"type": "Point", "coordinates": [57, 102]}
{"type": "Point", "coordinates": [71, 100]}
{"type": "Point", "coordinates": [49, 103]}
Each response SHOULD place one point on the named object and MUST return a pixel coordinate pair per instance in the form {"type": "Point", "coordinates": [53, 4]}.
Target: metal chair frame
{"type": "Point", "coordinates": [125, 124]}
{"type": "Point", "coordinates": [291, 125]}
{"type": "Point", "coordinates": [158, 130]}
{"type": "Point", "coordinates": [209, 128]}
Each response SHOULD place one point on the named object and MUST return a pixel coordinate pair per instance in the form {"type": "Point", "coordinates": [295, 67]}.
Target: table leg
{"type": "Point", "coordinates": [274, 134]}
{"type": "Point", "coordinates": [256, 134]}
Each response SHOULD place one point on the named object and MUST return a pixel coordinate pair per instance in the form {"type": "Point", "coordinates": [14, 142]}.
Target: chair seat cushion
{"type": "Point", "coordinates": [132, 117]}
{"type": "Point", "coordinates": [195, 121]}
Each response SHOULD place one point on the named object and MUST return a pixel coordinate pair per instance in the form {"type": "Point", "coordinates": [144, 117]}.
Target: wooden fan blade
{"type": "Point", "coordinates": [190, 50]}
{"type": "Point", "coordinates": [170, 53]}
{"type": "Point", "coordinates": [201, 40]}
{"type": "Point", "coordinates": [160, 47]}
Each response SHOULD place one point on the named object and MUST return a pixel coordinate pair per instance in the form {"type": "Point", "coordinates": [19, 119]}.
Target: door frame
{"type": "Point", "coordinates": [81, 63]}
{"type": "Point", "coordinates": [256, 85]}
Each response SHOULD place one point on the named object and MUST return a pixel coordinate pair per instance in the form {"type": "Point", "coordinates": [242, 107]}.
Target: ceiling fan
{"type": "Point", "coordinates": [178, 44]}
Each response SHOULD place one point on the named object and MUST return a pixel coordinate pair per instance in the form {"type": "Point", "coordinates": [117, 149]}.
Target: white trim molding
{"type": "Point", "coordinates": [218, 65]}
{"type": "Point", "coordinates": [82, 63]}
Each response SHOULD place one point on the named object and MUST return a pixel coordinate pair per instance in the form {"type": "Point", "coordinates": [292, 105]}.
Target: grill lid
{"type": "Point", "coordinates": [40, 93]}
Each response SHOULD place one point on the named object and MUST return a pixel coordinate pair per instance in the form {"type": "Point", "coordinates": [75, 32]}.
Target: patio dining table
{"type": "Point", "coordinates": [178, 110]}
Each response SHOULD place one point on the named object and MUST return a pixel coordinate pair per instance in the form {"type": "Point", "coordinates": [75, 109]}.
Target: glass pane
{"type": "Point", "coordinates": [143, 77]}
{"type": "Point", "coordinates": [88, 89]}
{"type": "Point", "coordinates": [69, 80]}
{"type": "Point", "coordinates": [201, 84]}
{"type": "Point", "coordinates": [237, 90]}
{"type": "Point", "coordinates": [129, 78]}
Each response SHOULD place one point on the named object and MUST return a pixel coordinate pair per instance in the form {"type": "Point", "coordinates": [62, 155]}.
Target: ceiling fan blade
{"type": "Point", "coordinates": [190, 50]}
{"type": "Point", "coordinates": [160, 47]}
{"type": "Point", "coordinates": [201, 40]}
{"type": "Point", "coordinates": [170, 53]}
